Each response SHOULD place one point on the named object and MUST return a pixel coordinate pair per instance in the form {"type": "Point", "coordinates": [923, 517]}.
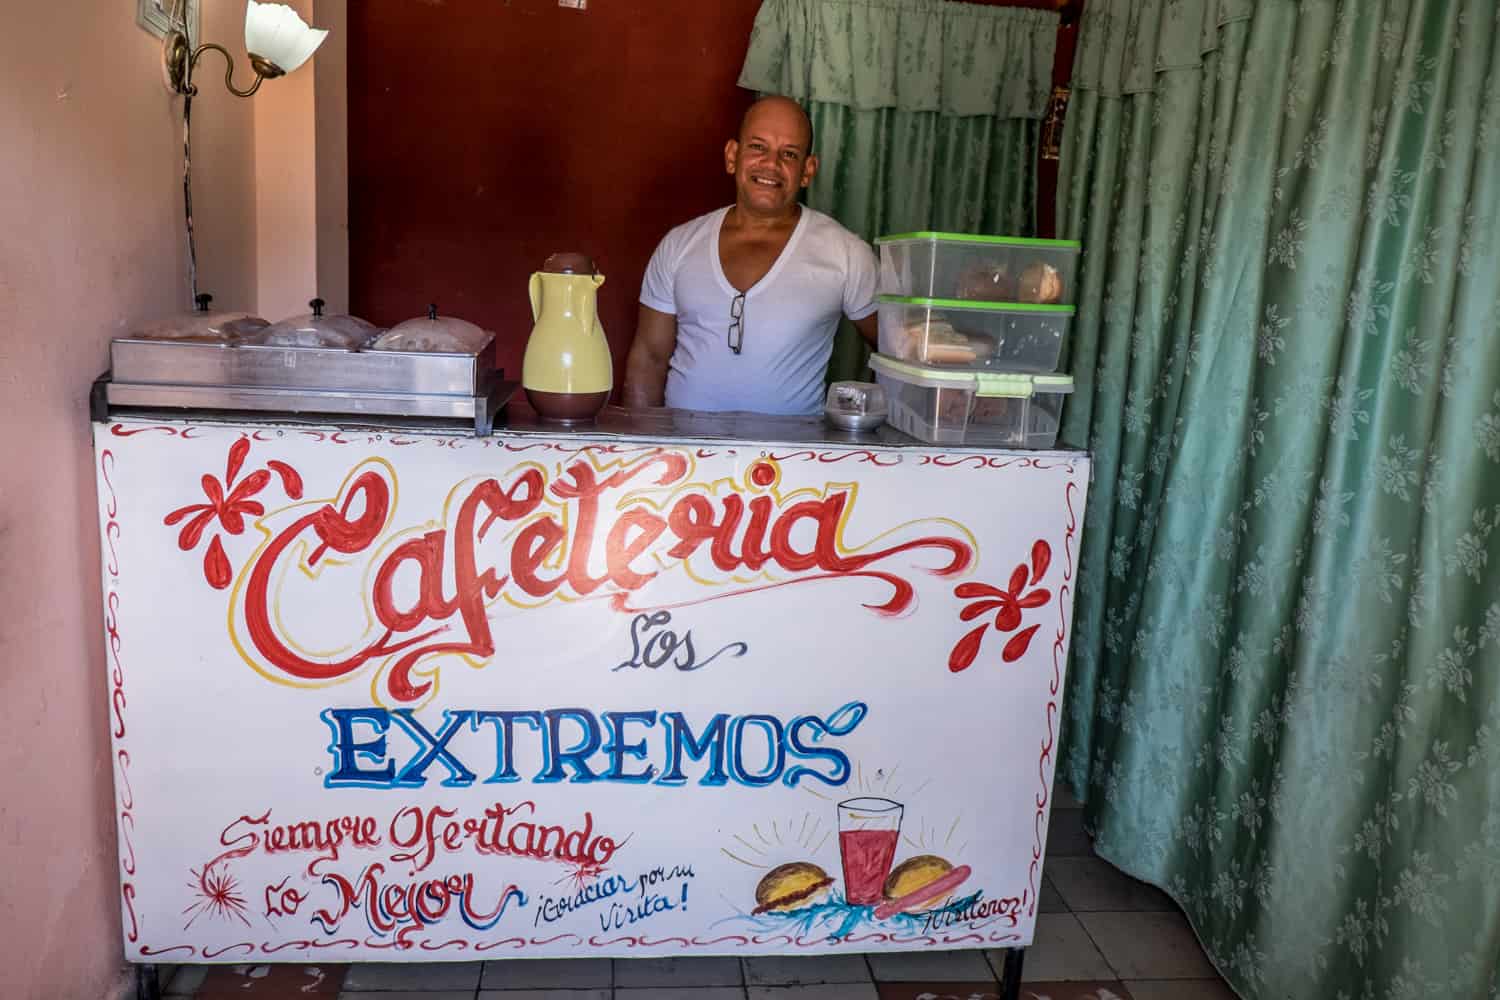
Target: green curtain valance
{"type": "Point", "coordinates": [913, 55]}
{"type": "Point", "coordinates": [1124, 44]}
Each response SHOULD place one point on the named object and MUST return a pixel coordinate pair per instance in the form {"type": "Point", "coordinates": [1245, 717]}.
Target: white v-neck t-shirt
{"type": "Point", "coordinates": [789, 320]}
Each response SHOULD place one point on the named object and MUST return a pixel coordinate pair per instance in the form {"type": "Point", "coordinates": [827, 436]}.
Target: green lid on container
{"type": "Point", "coordinates": [1008, 241]}
{"type": "Point", "coordinates": [1016, 385]}
{"type": "Point", "coordinates": [978, 305]}
{"type": "Point", "coordinates": [1020, 385]}
{"type": "Point", "coordinates": [928, 375]}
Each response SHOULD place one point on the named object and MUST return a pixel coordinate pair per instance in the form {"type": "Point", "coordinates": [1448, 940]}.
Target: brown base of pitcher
{"type": "Point", "coordinates": [567, 407]}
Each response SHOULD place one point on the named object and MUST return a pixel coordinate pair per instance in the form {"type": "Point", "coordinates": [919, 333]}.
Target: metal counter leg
{"type": "Point", "coordinates": [1010, 982]}
{"type": "Point", "coordinates": [147, 982]}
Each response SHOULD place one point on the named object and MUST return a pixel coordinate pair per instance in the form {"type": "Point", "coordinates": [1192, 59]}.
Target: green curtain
{"type": "Point", "coordinates": [1284, 698]}
{"type": "Point", "coordinates": [926, 114]}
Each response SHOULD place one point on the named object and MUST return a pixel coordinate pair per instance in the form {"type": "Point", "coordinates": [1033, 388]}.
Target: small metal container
{"type": "Point", "coordinates": [856, 406]}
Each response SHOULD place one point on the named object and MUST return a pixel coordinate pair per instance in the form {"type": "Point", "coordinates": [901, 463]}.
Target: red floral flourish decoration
{"type": "Point", "coordinates": [228, 504]}
{"type": "Point", "coordinates": [1007, 605]}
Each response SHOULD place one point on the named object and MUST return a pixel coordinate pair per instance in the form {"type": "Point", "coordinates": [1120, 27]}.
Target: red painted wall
{"type": "Point", "coordinates": [486, 134]}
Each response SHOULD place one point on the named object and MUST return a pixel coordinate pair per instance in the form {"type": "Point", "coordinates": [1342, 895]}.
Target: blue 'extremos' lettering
{"type": "Point", "coordinates": [575, 745]}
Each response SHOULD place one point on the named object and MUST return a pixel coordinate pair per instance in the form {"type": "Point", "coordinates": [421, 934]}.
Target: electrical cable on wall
{"type": "Point", "coordinates": [179, 15]}
{"type": "Point", "coordinates": [187, 195]}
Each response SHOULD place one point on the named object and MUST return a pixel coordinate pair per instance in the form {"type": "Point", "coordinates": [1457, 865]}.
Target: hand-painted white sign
{"type": "Point", "coordinates": [415, 697]}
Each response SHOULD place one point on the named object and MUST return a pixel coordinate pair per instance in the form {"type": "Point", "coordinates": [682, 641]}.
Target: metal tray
{"type": "Point", "coordinates": [160, 362]}
{"type": "Point", "coordinates": [480, 410]}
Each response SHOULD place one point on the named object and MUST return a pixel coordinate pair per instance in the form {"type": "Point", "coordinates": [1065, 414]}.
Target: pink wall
{"type": "Point", "coordinates": [286, 216]}
{"type": "Point", "coordinates": [331, 117]}
{"type": "Point", "coordinates": [90, 241]}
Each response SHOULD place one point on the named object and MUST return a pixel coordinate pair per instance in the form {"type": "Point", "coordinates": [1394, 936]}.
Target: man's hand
{"type": "Point", "coordinates": [869, 328]}
{"type": "Point", "coordinates": [650, 354]}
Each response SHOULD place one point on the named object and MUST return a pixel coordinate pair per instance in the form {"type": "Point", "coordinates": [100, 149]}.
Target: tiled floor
{"type": "Point", "coordinates": [1099, 936]}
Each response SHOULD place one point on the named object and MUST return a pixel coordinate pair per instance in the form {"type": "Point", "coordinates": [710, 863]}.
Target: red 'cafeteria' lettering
{"type": "Point", "coordinates": [739, 534]}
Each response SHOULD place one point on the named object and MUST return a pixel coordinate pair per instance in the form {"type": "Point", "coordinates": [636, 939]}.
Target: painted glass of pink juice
{"type": "Point", "coordinates": [868, 831]}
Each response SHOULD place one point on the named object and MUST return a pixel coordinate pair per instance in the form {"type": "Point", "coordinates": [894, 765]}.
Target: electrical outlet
{"type": "Point", "coordinates": [158, 16]}
{"type": "Point", "coordinates": [575, 4]}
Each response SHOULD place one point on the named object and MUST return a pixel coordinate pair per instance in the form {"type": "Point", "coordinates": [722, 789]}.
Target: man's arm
{"type": "Point", "coordinates": [650, 353]}
{"type": "Point", "coordinates": [861, 282]}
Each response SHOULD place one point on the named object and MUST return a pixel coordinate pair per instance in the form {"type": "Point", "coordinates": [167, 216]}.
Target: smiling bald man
{"type": "Point", "coordinates": [739, 307]}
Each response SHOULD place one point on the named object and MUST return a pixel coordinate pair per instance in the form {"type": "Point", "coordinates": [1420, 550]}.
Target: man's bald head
{"type": "Point", "coordinates": [772, 159]}
{"type": "Point", "coordinates": [775, 110]}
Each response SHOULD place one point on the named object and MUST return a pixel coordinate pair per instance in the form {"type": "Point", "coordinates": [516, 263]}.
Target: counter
{"type": "Point", "coordinates": [677, 684]}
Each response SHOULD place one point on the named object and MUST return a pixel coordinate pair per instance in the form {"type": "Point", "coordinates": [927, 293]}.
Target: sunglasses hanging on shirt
{"type": "Point", "coordinates": [737, 323]}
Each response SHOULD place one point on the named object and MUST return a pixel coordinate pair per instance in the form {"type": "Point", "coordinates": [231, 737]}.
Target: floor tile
{"type": "Point", "coordinates": [635, 972]}
{"type": "Point", "coordinates": [1061, 951]}
{"type": "Point", "coordinates": [1148, 945]}
{"type": "Point", "coordinates": [1179, 989]}
{"type": "Point", "coordinates": [939, 991]}
{"type": "Point", "coordinates": [601, 993]}
{"type": "Point", "coordinates": [1065, 835]}
{"type": "Point", "coordinates": [784, 970]}
{"type": "Point", "coordinates": [822, 991]}
{"type": "Point", "coordinates": [1075, 991]}
{"type": "Point", "coordinates": [674, 993]}
{"type": "Point", "coordinates": [930, 966]}
{"type": "Point", "coordinates": [374, 976]}
{"type": "Point", "coordinates": [1095, 884]}
{"type": "Point", "coordinates": [186, 980]}
{"type": "Point", "coordinates": [271, 982]}
{"type": "Point", "coordinates": [547, 973]}
{"type": "Point", "coordinates": [1048, 899]}
{"type": "Point", "coordinates": [409, 995]}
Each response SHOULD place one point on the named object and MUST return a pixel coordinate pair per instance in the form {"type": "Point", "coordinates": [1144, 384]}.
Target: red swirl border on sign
{"type": "Point", "coordinates": [124, 797]}
{"type": "Point", "coordinates": [428, 945]}
{"type": "Point", "coordinates": [1059, 648]}
{"type": "Point", "coordinates": [884, 459]}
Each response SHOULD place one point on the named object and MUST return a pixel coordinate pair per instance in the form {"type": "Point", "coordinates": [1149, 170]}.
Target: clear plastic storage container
{"type": "Point", "coordinates": [979, 268]}
{"type": "Point", "coordinates": [987, 336]}
{"type": "Point", "coordinates": [991, 409]}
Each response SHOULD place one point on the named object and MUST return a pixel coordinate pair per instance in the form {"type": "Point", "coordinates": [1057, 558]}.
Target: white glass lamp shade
{"type": "Point", "coordinates": [275, 33]}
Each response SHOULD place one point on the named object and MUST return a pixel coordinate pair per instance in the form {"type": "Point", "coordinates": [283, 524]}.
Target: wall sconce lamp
{"type": "Point", "coordinates": [278, 41]}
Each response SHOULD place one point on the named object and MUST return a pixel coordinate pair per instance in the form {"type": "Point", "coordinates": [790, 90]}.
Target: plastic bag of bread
{"type": "Point", "coordinates": [338, 333]}
{"type": "Point", "coordinates": [936, 342]}
{"type": "Point", "coordinates": [433, 334]}
{"type": "Point", "coordinates": [202, 326]}
{"type": "Point", "coordinates": [953, 407]}
{"type": "Point", "coordinates": [992, 409]}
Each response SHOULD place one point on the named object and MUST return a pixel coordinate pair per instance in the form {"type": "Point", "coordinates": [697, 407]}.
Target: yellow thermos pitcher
{"type": "Point", "coordinates": [567, 372]}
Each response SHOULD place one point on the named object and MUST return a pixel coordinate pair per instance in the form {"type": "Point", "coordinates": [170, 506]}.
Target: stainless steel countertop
{"type": "Point", "coordinates": [617, 423]}
{"type": "Point", "coordinates": [691, 426]}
